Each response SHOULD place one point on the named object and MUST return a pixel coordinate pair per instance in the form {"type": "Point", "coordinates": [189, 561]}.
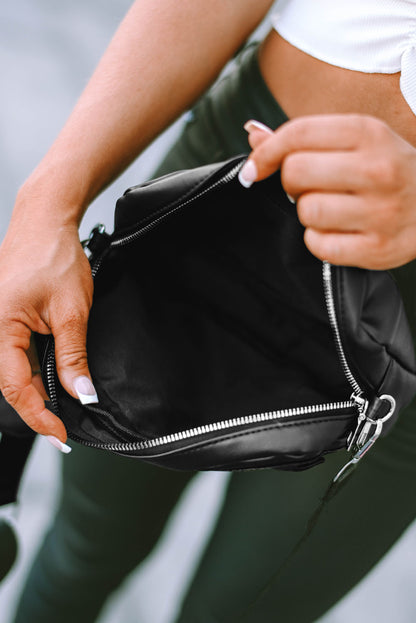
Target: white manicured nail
{"type": "Point", "coordinates": [58, 444]}
{"type": "Point", "coordinates": [252, 123]}
{"type": "Point", "coordinates": [248, 174]}
{"type": "Point", "coordinates": [85, 390]}
{"type": "Point", "coordinates": [291, 198]}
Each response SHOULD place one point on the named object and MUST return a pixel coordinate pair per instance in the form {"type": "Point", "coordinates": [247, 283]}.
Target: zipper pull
{"type": "Point", "coordinates": [348, 467]}
{"type": "Point", "coordinates": [362, 405]}
{"type": "Point", "coordinates": [97, 240]}
{"type": "Point", "coordinates": [359, 440]}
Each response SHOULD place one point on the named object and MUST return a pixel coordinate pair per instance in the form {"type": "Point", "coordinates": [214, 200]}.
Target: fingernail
{"type": "Point", "coordinates": [290, 198]}
{"type": "Point", "coordinates": [252, 123]}
{"type": "Point", "coordinates": [85, 390]}
{"type": "Point", "coordinates": [58, 444]}
{"type": "Point", "coordinates": [248, 174]}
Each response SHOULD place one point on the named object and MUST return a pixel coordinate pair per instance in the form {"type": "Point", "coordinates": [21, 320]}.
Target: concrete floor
{"type": "Point", "coordinates": [47, 52]}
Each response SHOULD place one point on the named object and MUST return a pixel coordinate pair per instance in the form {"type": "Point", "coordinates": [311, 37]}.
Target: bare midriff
{"type": "Point", "coordinates": [304, 85]}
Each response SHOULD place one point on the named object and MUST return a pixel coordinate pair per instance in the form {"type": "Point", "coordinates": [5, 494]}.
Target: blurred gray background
{"type": "Point", "coordinates": [47, 52]}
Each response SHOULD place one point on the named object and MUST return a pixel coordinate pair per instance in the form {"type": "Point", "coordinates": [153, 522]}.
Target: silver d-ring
{"type": "Point", "coordinates": [392, 402]}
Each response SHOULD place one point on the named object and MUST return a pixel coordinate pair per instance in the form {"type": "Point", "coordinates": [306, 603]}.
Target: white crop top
{"type": "Point", "coordinates": [373, 36]}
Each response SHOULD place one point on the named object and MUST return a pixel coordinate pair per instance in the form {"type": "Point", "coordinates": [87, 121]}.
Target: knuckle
{"type": "Point", "coordinates": [379, 251]}
{"type": "Point", "coordinates": [18, 398]}
{"type": "Point", "coordinates": [379, 242]}
{"type": "Point", "coordinates": [356, 125]}
{"type": "Point", "coordinates": [11, 393]}
{"type": "Point", "coordinates": [74, 319]}
{"type": "Point", "coordinates": [11, 314]}
{"type": "Point", "coordinates": [381, 172]}
{"type": "Point", "coordinates": [71, 356]}
{"type": "Point", "coordinates": [70, 338]}
{"type": "Point", "coordinates": [389, 216]}
{"type": "Point", "coordinates": [297, 130]}
{"type": "Point", "coordinates": [374, 128]}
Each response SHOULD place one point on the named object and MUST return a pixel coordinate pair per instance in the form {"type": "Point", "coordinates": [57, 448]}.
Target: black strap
{"type": "Point", "coordinates": [330, 492]}
{"type": "Point", "coordinates": [14, 452]}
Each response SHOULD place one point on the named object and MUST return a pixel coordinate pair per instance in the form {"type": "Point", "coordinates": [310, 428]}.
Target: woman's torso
{"type": "Point", "coordinates": [304, 85]}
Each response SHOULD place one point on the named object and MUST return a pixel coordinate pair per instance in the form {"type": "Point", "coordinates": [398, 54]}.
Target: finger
{"type": "Point", "coordinates": [329, 172]}
{"type": "Point", "coordinates": [257, 132]}
{"type": "Point", "coordinates": [71, 356]}
{"type": "Point", "coordinates": [38, 384]}
{"type": "Point", "coordinates": [32, 354]}
{"type": "Point", "coordinates": [19, 391]}
{"type": "Point", "coordinates": [332, 212]}
{"type": "Point", "coordinates": [345, 249]}
{"type": "Point", "coordinates": [312, 133]}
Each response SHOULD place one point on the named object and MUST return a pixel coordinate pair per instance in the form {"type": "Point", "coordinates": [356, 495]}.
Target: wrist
{"type": "Point", "coordinates": [36, 220]}
{"type": "Point", "coordinates": [51, 196]}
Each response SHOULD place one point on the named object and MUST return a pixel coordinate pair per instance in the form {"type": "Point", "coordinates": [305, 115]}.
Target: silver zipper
{"type": "Point", "coordinates": [123, 240]}
{"type": "Point", "coordinates": [228, 177]}
{"type": "Point", "coordinates": [198, 431]}
{"type": "Point", "coordinates": [50, 375]}
{"type": "Point", "coordinates": [330, 305]}
{"type": "Point", "coordinates": [361, 439]}
{"type": "Point", "coordinates": [367, 430]}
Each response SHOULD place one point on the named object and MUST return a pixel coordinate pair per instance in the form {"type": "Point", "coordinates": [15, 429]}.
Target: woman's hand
{"type": "Point", "coordinates": [354, 181]}
{"type": "Point", "coordinates": [45, 278]}
{"type": "Point", "coordinates": [46, 287]}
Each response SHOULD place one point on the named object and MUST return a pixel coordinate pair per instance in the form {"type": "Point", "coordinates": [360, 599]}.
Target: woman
{"type": "Point", "coordinates": [351, 169]}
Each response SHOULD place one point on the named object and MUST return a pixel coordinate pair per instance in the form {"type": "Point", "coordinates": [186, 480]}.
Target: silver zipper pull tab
{"type": "Point", "coordinates": [365, 432]}
{"type": "Point", "coordinates": [96, 241]}
{"type": "Point", "coordinates": [360, 439]}
{"type": "Point", "coordinates": [359, 454]}
{"type": "Point", "coordinates": [362, 405]}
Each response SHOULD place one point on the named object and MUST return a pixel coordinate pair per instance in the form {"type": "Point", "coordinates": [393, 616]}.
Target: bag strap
{"type": "Point", "coordinates": [14, 453]}
{"type": "Point", "coordinates": [334, 487]}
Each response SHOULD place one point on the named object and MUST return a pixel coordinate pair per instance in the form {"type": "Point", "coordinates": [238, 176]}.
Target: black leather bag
{"type": "Point", "coordinates": [217, 341]}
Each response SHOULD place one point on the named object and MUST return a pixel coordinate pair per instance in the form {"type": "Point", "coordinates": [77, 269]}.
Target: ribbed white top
{"type": "Point", "coordinates": [373, 36]}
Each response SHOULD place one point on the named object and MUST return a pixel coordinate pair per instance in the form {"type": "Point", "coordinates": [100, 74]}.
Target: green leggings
{"type": "Point", "coordinates": [112, 509]}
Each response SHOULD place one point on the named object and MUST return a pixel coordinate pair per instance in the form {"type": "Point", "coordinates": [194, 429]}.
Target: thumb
{"type": "Point", "coordinates": [71, 358]}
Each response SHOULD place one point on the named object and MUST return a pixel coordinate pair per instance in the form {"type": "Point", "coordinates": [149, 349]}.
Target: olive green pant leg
{"type": "Point", "coordinates": [111, 514]}
{"type": "Point", "coordinates": [266, 513]}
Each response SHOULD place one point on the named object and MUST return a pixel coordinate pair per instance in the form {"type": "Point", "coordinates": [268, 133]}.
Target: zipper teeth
{"type": "Point", "coordinates": [256, 418]}
{"type": "Point", "coordinates": [330, 305]}
{"type": "Point", "coordinates": [223, 180]}
{"type": "Point", "coordinates": [96, 266]}
{"type": "Point", "coordinates": [50, 371]}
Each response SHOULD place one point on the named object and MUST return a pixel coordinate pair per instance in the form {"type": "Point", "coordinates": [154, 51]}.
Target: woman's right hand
{"type": "Point", "coordinates": [46, 287]}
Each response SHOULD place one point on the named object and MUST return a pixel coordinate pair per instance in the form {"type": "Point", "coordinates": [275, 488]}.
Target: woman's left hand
{"type": "Point", "coordinates": [354, 181]}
